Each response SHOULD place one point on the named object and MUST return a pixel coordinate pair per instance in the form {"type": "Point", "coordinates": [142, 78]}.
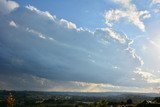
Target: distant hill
{"type": "Point", "coordinates": [37, 98]}
{"type": "Point", "coordinates": [104, 94]}
{"type": "Point", "coordinates": [116, 96]}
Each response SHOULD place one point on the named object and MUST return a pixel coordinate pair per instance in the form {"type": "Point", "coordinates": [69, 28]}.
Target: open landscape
{"type": "Point", "coordinates": [78, 99]}
{"type": "Point", "coordinates": [79, 53]}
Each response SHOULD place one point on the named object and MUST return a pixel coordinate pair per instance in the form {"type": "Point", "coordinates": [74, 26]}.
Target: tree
{"type": "Point", "coordinates": [103, 103]}
{"type": "Point", "coordinates": [157, 100]}
{"type": "Point", "coordinates": [10, 100]}
{"type": "Point", "coordinates": [129, 101]}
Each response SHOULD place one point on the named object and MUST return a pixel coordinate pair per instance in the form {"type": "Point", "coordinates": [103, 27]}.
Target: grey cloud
{"type": "Point", "coordinates": [71, 54]}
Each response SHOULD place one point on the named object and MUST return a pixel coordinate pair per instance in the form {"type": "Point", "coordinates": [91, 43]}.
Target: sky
{"type": "Point", "coordinates": [80, 46]}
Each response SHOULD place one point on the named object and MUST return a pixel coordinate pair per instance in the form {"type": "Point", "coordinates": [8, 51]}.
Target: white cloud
{"type": "Point", "coordinates": [147, 76]}
{"type": "Point", "coordinates": [62, 22]}
{"type": "Point", "coordinates": [126, 4]}
{"type": "Point", "coordinates": [45, 14]}
{"type": "Point", "coordinates": [67, 24]}
{"type": "Point", "coordinates": [114, 35]}
{"type": "Point", "coordinates": [145, 14]}
{"type": "Point", "coordinates": [129, 12]}
{"type": "Point", "coordinates": [36, 33]}
{"type": "Point", "coordinates": [134, 55]}
{"type": "Point", "coordinates": [155, 1]}
{"type": "Point", "coordinates": [133, 79]}
{"type": "Point", "coordinates": [13, 24]}
{"type": "Point", "coordinates": [7, 6]}
{"type": "Point", "coordinates": [155, 6]}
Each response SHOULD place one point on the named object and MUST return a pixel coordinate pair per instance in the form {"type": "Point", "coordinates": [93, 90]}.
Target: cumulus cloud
{"type": "Point", "coordinates": [67, 24]}
{"type": "Point", "coordinates": [62, 22]}
{"type": "Point", "coordinates": [71, 55]}
{"type": "Point", "coordinates": [129, 12]}
{"type": "Point", "coordinates": [7, 6]}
